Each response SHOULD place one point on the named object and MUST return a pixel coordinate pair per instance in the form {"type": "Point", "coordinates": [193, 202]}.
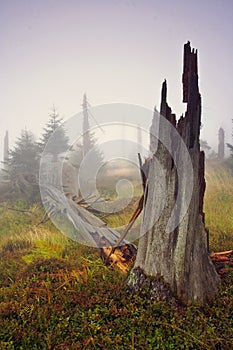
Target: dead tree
{"type": "Point", "coordinates": [221, 144]}
{"type": "Point", "coordinates": [86, 127]}
{"type": "Point", "coordinates": [176, 262]}
{"type": "Point", "coordinates": [6, 148]}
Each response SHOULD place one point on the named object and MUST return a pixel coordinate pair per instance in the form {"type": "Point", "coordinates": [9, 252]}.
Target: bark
{"type": "Point", "coordinates": [86, 228]}
{"type": "Point", "coordinates": [6, 147]}
{"type": "Point", "coordinates": [179, 258]}
{"type": "Point", "coordinates": [221, 144]}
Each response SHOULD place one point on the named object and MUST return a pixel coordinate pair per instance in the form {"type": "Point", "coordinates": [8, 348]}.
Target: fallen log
{"type": "Point", "coordinates": [122, 257]}
{"type": "Point", "coordinates": [222, 261]}
{"type": "Point", "coordinates": [227, 254]}
{"type": "Point", "coordinates": [134, 217]}
{"type": "Point", "coordinates": [113, 248]}
{"type": "Point", "coordinates": [144, 170]}
{"type": "Point", "coordinates": [89, 228]}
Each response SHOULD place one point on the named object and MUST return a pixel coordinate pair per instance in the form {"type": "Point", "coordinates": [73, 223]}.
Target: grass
{"type": "Point", "coordinates": [57, 294]}
{"type": "Point", "coordinates": [19, 230]}
{"type": "Point", "coordinates": [218, 206]}
{"type": "Point", "coordinates": [75, 302]}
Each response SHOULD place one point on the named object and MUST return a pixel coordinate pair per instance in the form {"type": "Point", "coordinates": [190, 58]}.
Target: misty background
{"type": "Point", "coordinates": [115, 51]}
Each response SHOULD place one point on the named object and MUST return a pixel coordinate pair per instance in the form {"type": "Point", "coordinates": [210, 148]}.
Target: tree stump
{"type": "Point", "coordinates": [178, 259]}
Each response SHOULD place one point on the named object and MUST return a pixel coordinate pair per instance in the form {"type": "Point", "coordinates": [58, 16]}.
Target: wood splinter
{"type": "Point", "coordinates": [144, 169]}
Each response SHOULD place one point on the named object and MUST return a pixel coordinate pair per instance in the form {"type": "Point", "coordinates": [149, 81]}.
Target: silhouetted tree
{"type": "Point", "coordinates": [229, 160]}
{"type": "Point", "coordinates": [231, 148]}
{"type": "Point", "coordinates": [23, 167]}
{"type": "Point", "coordinates": [6, 147]}
{"type": "Point", "coordinates": [55, 143]}
{"type": "Point", "coordinates": [221, 144]}
{"type": "Point", "coordinates": [228, 144]}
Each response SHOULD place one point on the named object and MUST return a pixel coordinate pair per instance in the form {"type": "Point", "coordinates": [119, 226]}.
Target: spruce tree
{"type": "Point", "coordinates": [53, 142]}
{"type": "Point", "coordinates": [23, 167]}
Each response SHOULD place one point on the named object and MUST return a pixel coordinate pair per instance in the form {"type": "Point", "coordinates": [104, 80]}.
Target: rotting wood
{"type": "Point", "coordinates": [134, 217]}
{"type": "Point", "coordinates": [227, 254]}
{"type": "Point", "coordinates": [223, 261]}
{"type": "Point", "coordinates": [144, 170]}
{"type": "Point", "coordinates": [90, 228]}
{"type": "Point", "coordinates": [180, 256]}
{"type": "Point", "coordinates": [122, 256]}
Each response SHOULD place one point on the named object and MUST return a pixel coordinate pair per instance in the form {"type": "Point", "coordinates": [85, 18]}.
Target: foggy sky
{"type": "Point", "coordinates": [52, 51]}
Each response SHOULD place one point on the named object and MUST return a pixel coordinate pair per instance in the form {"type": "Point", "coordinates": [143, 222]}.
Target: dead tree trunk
{"type": "Point", "coordinates": [176, 262]}
{"type": "Point", "coordinates": [221, 144]}
{"type": "Point", "coordinates": [6, 148]}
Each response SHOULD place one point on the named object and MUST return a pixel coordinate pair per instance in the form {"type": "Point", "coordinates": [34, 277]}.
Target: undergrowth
{"type": "Point", "coordinates": [75, 302]}
{"type": "Point", "coordinates": [218, 206]}
{"type": "Point", "coordinates": [57, 294]}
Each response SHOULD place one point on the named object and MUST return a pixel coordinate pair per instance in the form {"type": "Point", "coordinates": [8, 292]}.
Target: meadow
{"type": "Point", "coordinates": [57, 294]}
{"type": "Point", "coordinates": [218, 206]}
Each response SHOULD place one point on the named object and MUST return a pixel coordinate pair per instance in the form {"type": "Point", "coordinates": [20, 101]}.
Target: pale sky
{"type": "Point", "coordinates": [52, 51]}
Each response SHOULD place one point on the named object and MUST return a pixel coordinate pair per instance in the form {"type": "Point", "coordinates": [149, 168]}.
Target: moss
{"type": "Point", "coordinates": [149, 287]}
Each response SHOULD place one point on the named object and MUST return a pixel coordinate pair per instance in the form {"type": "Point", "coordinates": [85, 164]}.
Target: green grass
{"type": "Point", "coordinates": [218, 206]}
{"type": "Point", "coordinates": [57, 294]}
{"type": "Point", "coordinates": [75, 302]}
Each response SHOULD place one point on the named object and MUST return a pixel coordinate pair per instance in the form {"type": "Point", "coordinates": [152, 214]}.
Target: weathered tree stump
{"type": "Point", "coordinates": [221, 144]}
{"type": "Point", "coordinates": [178, 258]}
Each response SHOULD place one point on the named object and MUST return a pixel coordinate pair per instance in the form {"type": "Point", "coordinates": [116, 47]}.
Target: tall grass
{"type": "Point", "coordinates": [218, 206]}
{"type": "Point", "coordinates": [55, 294]}
{"type": "Point", "coordinates": [20, 231]}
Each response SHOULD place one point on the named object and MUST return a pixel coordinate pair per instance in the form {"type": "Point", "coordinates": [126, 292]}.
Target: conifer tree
{"type": "Point", "coordinates": [23, 167]}
{"type": "Point", "coordinates": [57, 143]}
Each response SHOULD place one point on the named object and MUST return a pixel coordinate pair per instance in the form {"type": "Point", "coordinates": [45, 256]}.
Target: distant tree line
{"type": "Point", "coordinates": [20, 173]}
{"type": "Point", "coordinates": [19, 176]}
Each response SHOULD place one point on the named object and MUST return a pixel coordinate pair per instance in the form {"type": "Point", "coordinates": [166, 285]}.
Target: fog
{"type": "Point", "coordinates": [115, 51]}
